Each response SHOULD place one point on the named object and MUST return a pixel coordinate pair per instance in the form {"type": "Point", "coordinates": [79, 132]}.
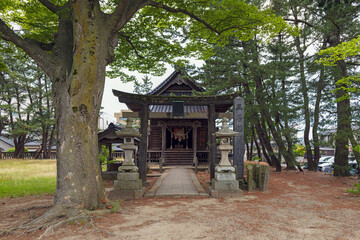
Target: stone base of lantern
{"type": "Point", "coordinates": [126, 194]}
{"type": "Point", "coordinates": [128, 185]}
{"type": "Point", "coordinates": [225, 183]}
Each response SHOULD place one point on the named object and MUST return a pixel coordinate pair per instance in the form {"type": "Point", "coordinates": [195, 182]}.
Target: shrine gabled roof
{"type": "Point", "coordinates": [136, 101]}
{"type": "Point", "coordinates": [175, 78]}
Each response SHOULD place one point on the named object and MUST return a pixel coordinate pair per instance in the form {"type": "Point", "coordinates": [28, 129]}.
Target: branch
{"type": "Point", "coordinates": [299, 20]}
{"type": "Point", "coordinates": [179, 10]}
{"type": "Point", "coordinates": [123, 12]}
{"type": "Point", "coordinates": [127, 38]}
{"type": "Point", "coordinates": [32, 47]}
{"type": "Point", "coordinates": [49, 5]}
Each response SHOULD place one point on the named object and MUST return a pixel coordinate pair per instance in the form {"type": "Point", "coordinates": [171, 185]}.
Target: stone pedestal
{"type": "Point", "coordinates": [225, 184]}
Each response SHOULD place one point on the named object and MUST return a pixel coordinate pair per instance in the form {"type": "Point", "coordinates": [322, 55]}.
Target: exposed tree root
{"type": "Point", "coordinates": [55, 218]}
{"type": "Point", "coordinates": [100, 230]}
{"type": "Point", "coordinates": [34, 208]}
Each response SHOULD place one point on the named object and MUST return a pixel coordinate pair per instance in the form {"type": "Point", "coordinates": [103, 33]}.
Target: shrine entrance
{"type": "Point", "coordinates": [179, 138]}
{"type": "Point", "coordinates": [179, 145]}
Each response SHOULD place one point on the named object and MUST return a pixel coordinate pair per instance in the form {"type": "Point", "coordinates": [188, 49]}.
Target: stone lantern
{"type": "Point", "coordinates": [225, 183]}
{"type": "Point", "coordinates": [128, 185]}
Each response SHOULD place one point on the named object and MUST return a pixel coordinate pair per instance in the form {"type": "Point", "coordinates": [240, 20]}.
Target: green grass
{"type": "Point", "coordinates": [27, 177]}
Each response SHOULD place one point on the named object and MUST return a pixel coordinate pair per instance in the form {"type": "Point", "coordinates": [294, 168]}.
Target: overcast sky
{"type": "Point", "coordinates": [111, 104]}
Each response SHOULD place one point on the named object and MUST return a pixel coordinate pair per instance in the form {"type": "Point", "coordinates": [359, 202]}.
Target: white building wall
{"type": "Point", "coordinates": [104, 120]}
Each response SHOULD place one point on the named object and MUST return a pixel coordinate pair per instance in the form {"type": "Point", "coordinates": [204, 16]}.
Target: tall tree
{"type": "Point", "coordinates": [15, 97]}
{"type": "Point", "coordinates": [74, 41]}
{"type": "Point", "coordinates": [144, 86]}
{"type": "Point", "coordinates": [342, 20]}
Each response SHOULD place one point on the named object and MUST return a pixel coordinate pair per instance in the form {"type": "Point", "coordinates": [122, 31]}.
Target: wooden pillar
{"type": "Point", "coordinates": [163, 145]}
{"type": "Point", "coordinates": [144, 119]}
{"type": "Point", "coordinates": [194, 141]}
{"type": "Point", "coordinates": [212, 139]}
{"type": "Point", "coordinates": [239, 143]}
{"type": "Point", "coordinates": [110, 151]}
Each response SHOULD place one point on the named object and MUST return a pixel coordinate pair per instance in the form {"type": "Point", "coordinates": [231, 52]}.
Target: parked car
{"type": "Point", "coordinates": [326, 167]}
{"type": "Point", "coordinates": [327, 159]}
{"type": "Point", "coordinates": [325, 163]}
{"type": "Point", "coordinates": [353, 166]}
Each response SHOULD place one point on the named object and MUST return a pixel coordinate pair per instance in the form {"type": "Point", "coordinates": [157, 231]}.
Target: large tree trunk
{"type": "Point", "coordinates": [77, 99]}
{"type": "Point", "coordinates": [265, 141]}
{"type": "Point", "coordinates": [304, 91]}
{"type": "Point", "coordinates": [19, 143]}
{"type": "Point", "coordinates": [343, 114]}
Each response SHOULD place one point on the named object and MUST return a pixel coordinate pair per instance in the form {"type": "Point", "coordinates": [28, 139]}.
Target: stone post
{"type": "Point", "coordinates": [239, 144]}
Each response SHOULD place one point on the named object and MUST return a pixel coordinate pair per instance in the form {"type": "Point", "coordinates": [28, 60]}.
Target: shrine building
{"type": "Point", "coordinates": [177, 126]}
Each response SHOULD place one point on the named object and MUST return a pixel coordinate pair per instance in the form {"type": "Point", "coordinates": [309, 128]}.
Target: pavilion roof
{"type": "Point", "coordinates": [135, 101]}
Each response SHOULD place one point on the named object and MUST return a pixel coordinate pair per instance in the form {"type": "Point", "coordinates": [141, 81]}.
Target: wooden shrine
{"type": "Point", "coordinates": [176, 126]}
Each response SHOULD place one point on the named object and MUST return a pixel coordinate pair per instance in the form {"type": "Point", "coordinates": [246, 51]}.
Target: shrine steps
{"type": "Point", "coordinates": [179, 158]}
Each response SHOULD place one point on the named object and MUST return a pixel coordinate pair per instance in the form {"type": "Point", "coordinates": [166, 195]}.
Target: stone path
{"type": "Point", "coordinates": [179, 181]}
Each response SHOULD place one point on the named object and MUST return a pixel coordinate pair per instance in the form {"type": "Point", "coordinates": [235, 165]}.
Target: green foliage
{"type": "Point", "coordinates": [25, 95]}
{"type": "Point", "coordinates": [35, 20]}
{"type": "Point", "coordinates": [340, 52]}
{"type": "Point", "coordinates": [355, 189]}
{"type": "Point", "coordinates": [144, 86]}
{"type": "Point", "coordinates": [357, 148]}
{"type": "Point", "coordinates": [13, 150]}
{"type": "Point", "coordinates": [155, 36]}
{"type": "Point", "coordinates": [103, 155]}
{"type": "Point", "coordinates": [343, 51]}
{"type": "Point", "coordinates": [299, 150]}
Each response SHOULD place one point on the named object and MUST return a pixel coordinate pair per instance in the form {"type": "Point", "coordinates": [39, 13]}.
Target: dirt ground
{"type": "Point", "coordinates": [297, 206]}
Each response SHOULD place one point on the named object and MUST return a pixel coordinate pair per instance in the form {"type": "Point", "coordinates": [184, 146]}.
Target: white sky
{"type": "Point", "coordinates": [111, 104]}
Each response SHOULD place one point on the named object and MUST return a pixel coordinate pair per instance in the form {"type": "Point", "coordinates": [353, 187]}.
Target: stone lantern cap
{"type": "Point", "coordinates": [128, 131]}
{"type": "Point", "coordinates": [225, 131]}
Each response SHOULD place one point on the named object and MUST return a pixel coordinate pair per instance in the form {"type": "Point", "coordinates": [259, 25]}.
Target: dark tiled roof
{"type": "Point", "coordinates": [33, 143]}
{"type": "Point", "coordinates": [161, 85]}
{"type": "Point", "coordinates": [168, 109]}
{"type": "Point", "coordinates": [172, 76]}
{"type": "Point", "coordinates": [7, 141]}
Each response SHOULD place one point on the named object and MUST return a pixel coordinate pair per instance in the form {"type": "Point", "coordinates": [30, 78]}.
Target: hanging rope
{"type": "Point", "coordinates": [175, 134]}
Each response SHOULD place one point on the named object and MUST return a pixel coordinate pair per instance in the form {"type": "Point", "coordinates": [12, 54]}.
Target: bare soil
{"type": "Point", "coordinates": [297, 206]}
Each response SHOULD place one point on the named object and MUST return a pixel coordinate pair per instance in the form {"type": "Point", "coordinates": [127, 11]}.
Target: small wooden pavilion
{"type": "Point", "coordinates": [176, 126]}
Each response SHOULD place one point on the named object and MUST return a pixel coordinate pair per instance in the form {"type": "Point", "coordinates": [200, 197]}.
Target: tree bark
{"type": "Point", "coordinates": [343, 114]}
{"type": "Point", "coordinates": [320, 87]}
{"type": "Point", "coordinates": [257, 144]}
{"type": "Point", "coordinates": [311, 164]}
{"type": "Point", "coordinates": [282, 149]}
{"type": "Point", "coordinates": [78, 85]}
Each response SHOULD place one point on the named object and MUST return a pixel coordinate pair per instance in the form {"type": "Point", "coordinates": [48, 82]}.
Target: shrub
{"type": "Point", "coordinates": [355, 189]}
{"type": "Point", "coordinates": [13, 150]}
